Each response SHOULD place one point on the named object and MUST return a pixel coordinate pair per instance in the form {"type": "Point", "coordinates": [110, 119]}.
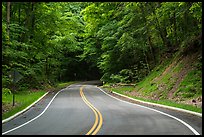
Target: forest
{"type": "Point", "coordinates": [50, 42]}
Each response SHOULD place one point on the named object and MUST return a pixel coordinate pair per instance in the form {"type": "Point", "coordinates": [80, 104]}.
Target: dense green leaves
{"type": "Point", "coordinates": [133, 36]}
{"type": "Point", "coordinates": [114, 41]}
{"type": "Point", "coordinates": [44, 40]}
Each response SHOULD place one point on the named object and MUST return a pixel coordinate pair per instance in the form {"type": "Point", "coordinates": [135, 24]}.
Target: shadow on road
{"type": "Point", "coordinates": [92, 82]}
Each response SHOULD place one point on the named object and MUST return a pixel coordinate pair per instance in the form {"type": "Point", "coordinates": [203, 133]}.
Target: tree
{"type": "Point", "coordinates": [114, 41]}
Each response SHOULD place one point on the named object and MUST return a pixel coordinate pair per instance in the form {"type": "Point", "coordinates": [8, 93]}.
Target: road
{"type": "Point", "coordinates": [84, 109]}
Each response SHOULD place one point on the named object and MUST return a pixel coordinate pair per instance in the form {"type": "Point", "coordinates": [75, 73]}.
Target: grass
{"type": "Point", "coordinates": [163, 101]}
{"type": "Point", "coordinates": [124, 88]}
{"type": "Point", "coordinates": [22, 100]}
{"type": "Point", "coordinates": [25, 98]}
{"type": "Point", "coordinates": [146, 84]}
{"type": "Point", "coordinates": [151, 85]}
{"type": "Point", "coordinates": [175, 82]}
{"type": "Point", "coordinates": [191, 86]}
{"type": "Point", "coordinates": [162, 79]}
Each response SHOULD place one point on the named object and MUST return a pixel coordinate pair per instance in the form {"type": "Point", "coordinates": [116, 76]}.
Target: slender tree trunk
{"type": "Point", "coordinates": [8, 19]}
{"type": "Point", "coordinates": [187, 22]}
{"type": "Point", "coordinates": [47, 69]}
{"type": "Point", "coordinates": [26, 36]}
{"type": "Point", "coordinates": [175, 29]}
{"type": "Point", "coordinates": [19, 19]}
{"type": "Point", "coordinates": [162, 29]}
{"type": "Point", "coordinates": [146, 61]}
{"type": "Point", "coordinates": [32, 20]}
{"type": "Point", "coordinates": [148, 34]}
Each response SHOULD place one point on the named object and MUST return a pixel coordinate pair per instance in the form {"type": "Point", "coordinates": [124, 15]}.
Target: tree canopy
{"type": "Point", "coordinates": [112, 41]}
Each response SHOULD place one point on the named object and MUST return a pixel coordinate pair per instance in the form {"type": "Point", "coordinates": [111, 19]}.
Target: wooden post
{"type": "Point", "coordinates": [13, 94]}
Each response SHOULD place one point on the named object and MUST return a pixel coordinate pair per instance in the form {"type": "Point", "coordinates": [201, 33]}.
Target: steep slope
{"type": "Point", "coordinates": [180, 80]}
{"type": "Point", "coordinates": [177, 78]}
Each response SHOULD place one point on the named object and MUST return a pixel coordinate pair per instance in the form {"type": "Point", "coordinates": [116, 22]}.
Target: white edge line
{"type": "Point", "coordinates": [187, 125]}
{"type": "Point", "coordinates": [35, 117]}
{"type": "Point", "coordinates": [159, 105]}
{"type": "Point", "coordinates": [20, 112]}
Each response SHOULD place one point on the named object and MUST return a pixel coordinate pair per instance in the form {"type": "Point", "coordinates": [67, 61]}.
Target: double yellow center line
{"type": "Point", "coordinates": [98, 117]}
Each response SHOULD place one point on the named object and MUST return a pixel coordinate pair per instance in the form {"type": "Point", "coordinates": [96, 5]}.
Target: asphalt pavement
{"type": "Point", "coordinates": [84, 109]}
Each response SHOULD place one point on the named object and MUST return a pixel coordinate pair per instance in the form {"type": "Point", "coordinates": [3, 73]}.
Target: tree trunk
{"type": "Point", "coordinates": [8, 18]}
{"type": "Point", "coordinates": [162, 29]}
{"type": "Point", "coordinates": [26, 36]}
{"type": "Point", "coordinates": [32, 20]}
{"type": "Point", "coordinates": [187, 22]}
{"type": "Point", "coordinates": [19, 19]}
{"type": "Point", "coordinates": [175, 29]}
{"type": "Point", "coordinates": [46, 69]}
{"type": "Point", "coordinates": [148, 34]}
{"type": "Point", "coordinates": [146, 62]}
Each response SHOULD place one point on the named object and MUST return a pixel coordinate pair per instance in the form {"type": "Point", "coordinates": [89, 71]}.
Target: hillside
{"type": "Point", "coordinates": [176, 79]}
{"type": "Point", "coordinates": [155, 46]}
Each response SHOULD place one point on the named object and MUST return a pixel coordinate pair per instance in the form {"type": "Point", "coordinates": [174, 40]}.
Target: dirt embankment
{"type": "Point", "coordinates": [168, 82]}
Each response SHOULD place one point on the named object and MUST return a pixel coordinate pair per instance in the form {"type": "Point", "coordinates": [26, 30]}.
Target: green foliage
{"type": "Point", "coordinates": [191, 86]}
{"type": "Point", "coordinates": [6, 81]}
{"type": "Point", "coordinates": [196, 11]}
{"type": "Point", "coordinates": [127, 75]}
{"type": "Point", "coordinates": [116, 78]}
{"type": "Point", "coordinates": [38, 49]}
{"type": "Point", "coordinates": [6, 92]}
{"type": "Point", "coordinates": [115, 41]}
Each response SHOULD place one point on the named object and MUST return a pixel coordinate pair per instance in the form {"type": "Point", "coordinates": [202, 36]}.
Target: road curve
{"type": "Point", "coordinates": [83, 109]}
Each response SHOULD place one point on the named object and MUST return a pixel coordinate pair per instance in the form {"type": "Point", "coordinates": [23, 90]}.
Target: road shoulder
{"type": "Point", "coordinates": [191, 118]}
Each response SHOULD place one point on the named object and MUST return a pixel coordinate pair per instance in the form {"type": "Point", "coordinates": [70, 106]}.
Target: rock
{"type": "Point", "coordinates": [194, 101]}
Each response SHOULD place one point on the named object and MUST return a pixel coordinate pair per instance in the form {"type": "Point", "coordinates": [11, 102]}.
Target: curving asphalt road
{"type": "Point", "coordinates": [84, 109]}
